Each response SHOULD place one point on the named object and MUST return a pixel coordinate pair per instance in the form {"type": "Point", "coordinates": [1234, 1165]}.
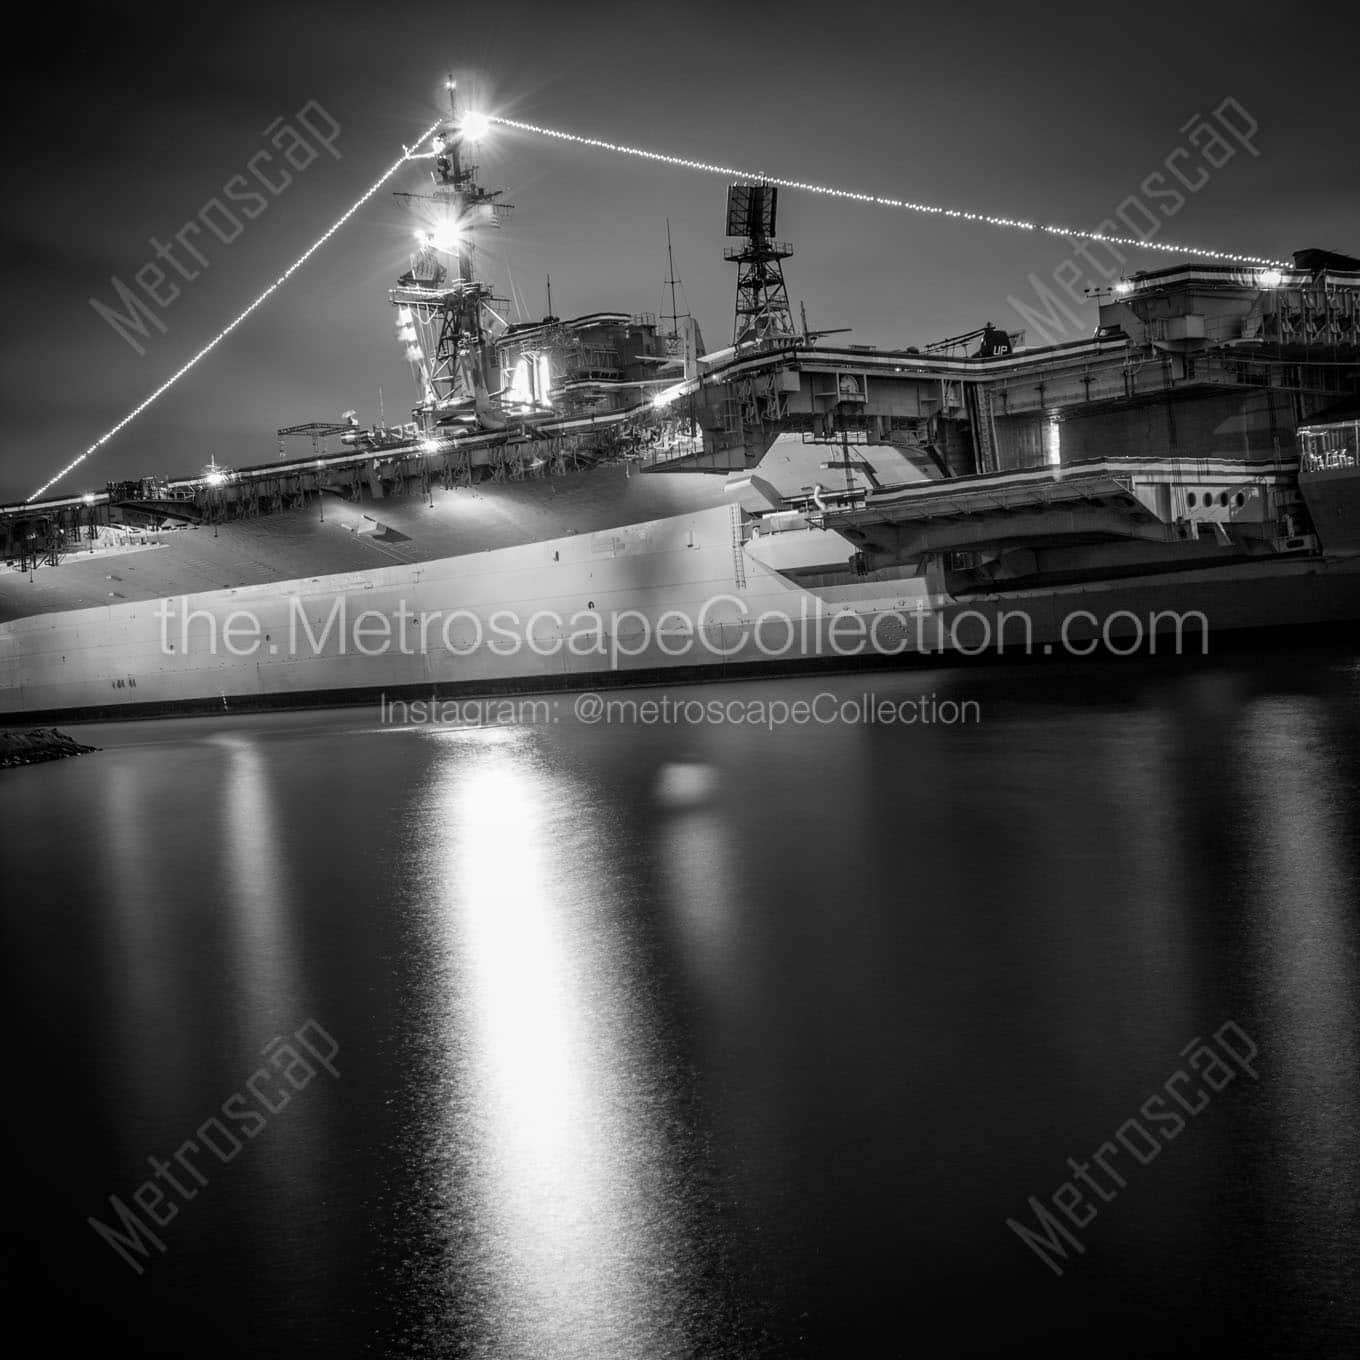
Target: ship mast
{"type": "Point", "coordinates": [461, 181]}
{"type": "Point", "coordinates": [682, 346]}
{"type": "Point", "coordinates": [447, 318]}
{"type": "Point", "coordinates": [762, 310]}
{"type": "Point", "coordinates": [674, 316]}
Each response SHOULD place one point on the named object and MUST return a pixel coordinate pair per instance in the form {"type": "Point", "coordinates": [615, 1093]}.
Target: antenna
{"type": "Point", "coordinates": [762, 309]}
{"type": "Point", "coordinates": [548, 278]}
{"type": "Point", "coordinates": [453, 174]}
{"type": "Point", "coordinates": [675, 343]}
{"type": "Point", "coordinates": [516, 300]}
{"type": "Point", "coordinates": [671, 281]}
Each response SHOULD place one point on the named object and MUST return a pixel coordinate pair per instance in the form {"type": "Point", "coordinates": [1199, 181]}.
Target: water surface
{"type": "Point", "coordinates": [703, 1040]}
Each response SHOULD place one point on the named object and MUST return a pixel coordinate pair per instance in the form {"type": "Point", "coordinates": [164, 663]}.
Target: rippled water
{"type": "Point", "coordinates": [681, 1040]}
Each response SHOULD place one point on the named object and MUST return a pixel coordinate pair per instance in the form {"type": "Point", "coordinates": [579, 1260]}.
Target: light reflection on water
{"type": "Point", "coordinates": [557, 1141]}
{"type": "Point", "coordinates": [572, 1220]}
{"type": "Point", "coordinates": [1302, 934]}
{"type": "Point", "coordinates": [715, 1041]}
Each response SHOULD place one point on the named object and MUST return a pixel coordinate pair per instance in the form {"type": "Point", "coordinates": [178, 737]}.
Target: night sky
{"type": "Point", "coordinates": [123, 128]}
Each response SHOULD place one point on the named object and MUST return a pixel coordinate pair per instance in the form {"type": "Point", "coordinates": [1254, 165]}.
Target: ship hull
{"type": "Point", "coordinates": [680, 599]}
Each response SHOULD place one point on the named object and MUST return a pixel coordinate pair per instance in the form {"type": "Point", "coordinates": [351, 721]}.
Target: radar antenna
{"type": "Point", "coordinates": [762, 310]}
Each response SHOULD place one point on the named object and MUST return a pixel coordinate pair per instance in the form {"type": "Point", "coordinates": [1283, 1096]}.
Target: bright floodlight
{"type": "Point", "coordinates": [1123, 287]}
{"type": "Point", "coordinates": [475, 126]}
{"type": "Point", "coordinates": [215, 479]}
{"type": "Point", "coordinates": [1270, 278]}
{"type": "Point", "coordinates": [443, 239]}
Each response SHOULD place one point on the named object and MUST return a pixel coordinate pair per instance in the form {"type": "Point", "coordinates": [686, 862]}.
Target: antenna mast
{"type": "Point", "coordinates": [446, 318]}
{"type": "Point", "coordinates": [762, 310]}
{"type": "Point", "coordinates": [670, 267]}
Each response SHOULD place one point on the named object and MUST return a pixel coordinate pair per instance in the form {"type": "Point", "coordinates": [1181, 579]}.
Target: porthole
{"type": "Point", "coordinates": [1239, 500]}
{"type": "Point", "coordinates": [1223, 498]}
{"type": "Point", "coordinates": [1191, 500]}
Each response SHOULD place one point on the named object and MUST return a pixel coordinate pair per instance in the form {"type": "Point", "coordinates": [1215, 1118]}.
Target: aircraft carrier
{"type": "Point", "coordinates": [603, 500]}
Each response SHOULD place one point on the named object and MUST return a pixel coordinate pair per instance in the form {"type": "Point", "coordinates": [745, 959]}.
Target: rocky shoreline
{"type": "Point", "coordinates": [37, 745]}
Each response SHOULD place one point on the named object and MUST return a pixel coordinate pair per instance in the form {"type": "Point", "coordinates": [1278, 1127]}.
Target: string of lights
{"type": "Point", "coordinates": [1018, 224]}
{"type": "Point", "coordinates": [407, 154]}
{"type": "Point", "coordinates": [731, 172]}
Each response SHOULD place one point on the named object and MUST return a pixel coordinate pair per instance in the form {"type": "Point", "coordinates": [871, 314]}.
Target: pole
{"type": "Point", "coordinates": [670, 265]}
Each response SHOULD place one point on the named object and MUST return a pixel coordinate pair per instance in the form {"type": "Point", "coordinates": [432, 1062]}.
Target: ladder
{"type": "Point", "coordinates": [738, 556]}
